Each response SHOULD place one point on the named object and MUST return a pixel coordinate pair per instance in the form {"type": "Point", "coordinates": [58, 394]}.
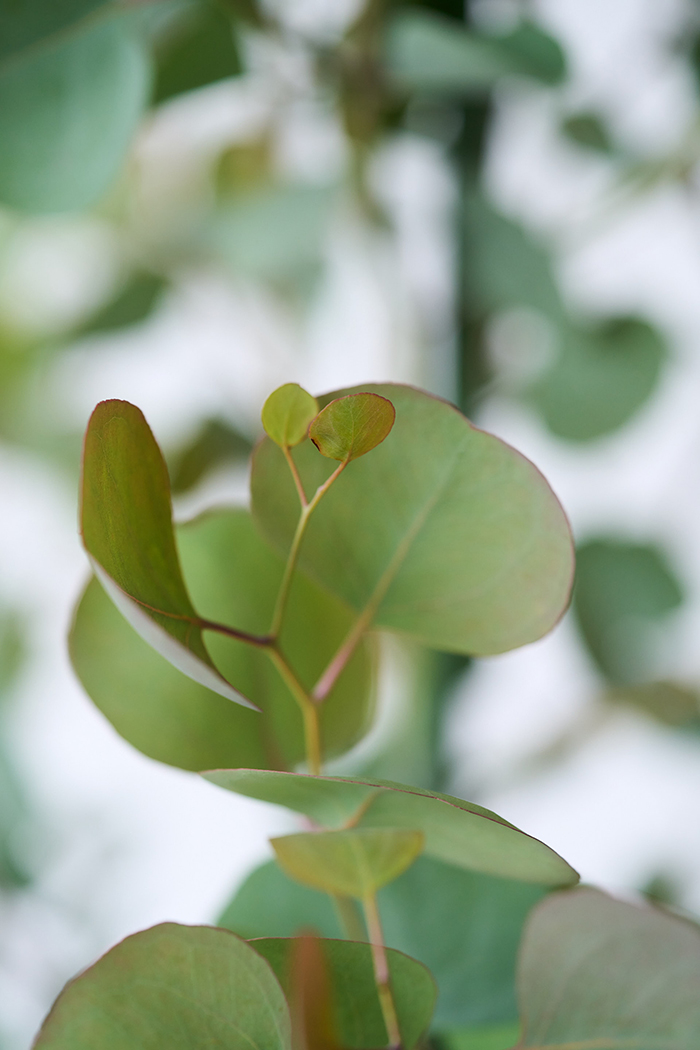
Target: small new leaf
{"type": "Point", "coordinates": [287, 413]}
{"type": "Point", "coordinates": [352, 863]}
{"type": "Point", "coordinates": [353, 425]}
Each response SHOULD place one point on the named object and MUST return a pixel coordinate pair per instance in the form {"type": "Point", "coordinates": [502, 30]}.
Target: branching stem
{"type": "Point", "coordinates": [307, 509]}
{"type": "Point", "coordinates": [381, 971]}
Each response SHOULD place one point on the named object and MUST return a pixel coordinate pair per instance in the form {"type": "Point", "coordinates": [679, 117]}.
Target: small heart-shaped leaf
{"type": "Point", "coordinates": [287, 413]}
{"type": "Point", "coordinates": [351, 426]}
{"type": "Point", "coordinates": [354, 862]}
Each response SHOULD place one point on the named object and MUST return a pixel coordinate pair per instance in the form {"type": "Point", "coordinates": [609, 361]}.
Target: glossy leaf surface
{"type": "Point", "coordinates": [287, 413]}
{"type": "Point", "coordinates": [596, 972]}
{"type": "Point", "coordinates": [68, 114]}
{"type": "Point", "coordinates": [358, 1016]}
{"type": "Point", "coordinates": [233, 576]}
{"type": "Point", "coordinates": [351, 863]}
{"type": "Point", "coordinates": [127, 530]}
{"type": "Point", "coordinates": [621, 590]}
{"type": "Point", "coordinates": [172, 986]}
{"type": "Point", "coordinates": [351, 426]}
{"type": "Point", "coordinates": [464, 926]}
{"type": "Point", "coordinates": [456, 538]}
{"type": "Point", "coordinates": [458, 832]}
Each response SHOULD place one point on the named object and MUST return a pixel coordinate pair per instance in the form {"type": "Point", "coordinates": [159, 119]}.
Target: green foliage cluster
{"type": "Point", "coordinates": [396, 914]}
{"type": "Point", "coordinates": [241, 644]}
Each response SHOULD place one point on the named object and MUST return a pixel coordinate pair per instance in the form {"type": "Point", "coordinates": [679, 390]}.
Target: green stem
{"type": "Point", "coordinates": [381, 971]}
{"type": "Point", "coordinates": [306, 511]}
{"type": "Point", "coordinates": [309, 710]}
{"type": "Point", "coordinates": [350, 917]}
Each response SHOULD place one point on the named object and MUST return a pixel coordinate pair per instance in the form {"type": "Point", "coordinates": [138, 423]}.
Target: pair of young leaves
{"type": "Point", "coordinates": [443, 532]}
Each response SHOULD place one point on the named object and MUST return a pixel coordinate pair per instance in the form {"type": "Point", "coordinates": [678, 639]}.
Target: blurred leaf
{"type": "Point", "coordinates": [464, 926]}
{"type": "Point", "coordinates": [68, 114]}
{"type": "Point", "coordinates": [14, 817]}
{"type": "Point", "coordinates": [422, 530]}
{"type": "Point", "coordinates": [127, 530]}
{"type": "Point", "coordinates": [670, 703]}
{"type": "Point", "coordinates": [274, 234]}
{"type": "Point", "coordinates": [352, 426]}
{"type": "Point", "coordinates": [588, 129]}
{"type": "Point", "coordinates": [12, 649]}
{"type": "Point", "coordinates": [29, 21]}
{"type": "Point", "coordinates": [594, 971]}
{"type": "Point", "coordinates": [457, 832]}
{"type": "Point", "coordinates": [270, 904]}
{"type": "Point", "coordinates": [354, 862]}
{"type": "Point", "coordinates": [134, 303]}
{"type": "Point", "coordinates": [287, 413]}
{"type": "Point", "coordinates": [309, 996]}
{"type": "Point", "coordinates": [600, 378]}
{"type": "Point", "coordinates": [171, 986]}
{"type": "Point", "coordinates": [621, 589]}
{"type": "Point", "coordinates": [427, 52]}
{"type": "Point", "coordinates": [358, 1017]}
{"type": "Point", "coordinates": [233, 575]}
{"type": "Point", "coordinates": [505, 265]}
{"type": "Point", "coordinates": [198, 49]}
{"type": "Point", "coordinates": [215, 444]}
{"type": "Point", "coordinates": [245, 167]}
{"type": "Point", "coordinates": [491, 1037]}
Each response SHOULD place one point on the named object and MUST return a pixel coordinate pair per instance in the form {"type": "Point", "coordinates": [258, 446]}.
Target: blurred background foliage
{"type": "Point", "coordinates": [84, 83]}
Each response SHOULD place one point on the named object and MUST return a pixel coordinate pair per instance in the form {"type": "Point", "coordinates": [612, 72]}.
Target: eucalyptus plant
{"type": "Point", "coordinates": [240, 645]}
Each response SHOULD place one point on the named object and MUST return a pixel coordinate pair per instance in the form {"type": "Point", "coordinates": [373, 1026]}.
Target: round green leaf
{"type": "Point", "coordinates": [357, 1014]}
{"type": "Point", "coordinates": [454, 536]}
{"type": "Point", "coordinates": [354, 862]}
{"type": "Point", "coordinates": [68, 113]}
{"type": "Point", "coordinates": [127, 530]}
{"type": "Point", "coordinates": [457, 832]}
{"type": "Point", "coordinates": [287, 413]}
{"type": "Point", "coordinates": [597, 972]}
{"type": "Point", "coordinates": [464, 926]}
{"type": "Point", "coordinates": [176, 987]}
{"type": "Point", "coordinates": [233, 576]}
{"type": "Point", "coordinates": [351, 426]}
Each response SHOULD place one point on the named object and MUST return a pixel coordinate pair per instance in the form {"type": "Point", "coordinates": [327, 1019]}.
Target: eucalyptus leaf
{"type": "Point", "coordinates": [287, 413]}
{"type": "Point", "coordinates": [457, 832]}
{"type": "Point", "coordinates": [621, 590]}
{"type": "Point", "coordinates": [214, 445]}
{"type": "Point", "coordinates": [233, 576]}
{"type": "Point", "coordinates": [133, 303]}
{"type": "Point", "coordinates": [31, 21]}
{"type": "Point", "coordinates": [354, 862]}
{"type": "Point", "coordinates": [68, 114]}
{"type": "Point", "coordinates": [199, 48]}
{"type": "Point", "coordinates": [588, 129]}
{"type": "Point", "coordinates": [601, 376]}
{"type": "Point", "coordinates": [127, 530]}
{"type": "Point", "coordinates": [172, 986]}
{"type": "Point", "coordinates": [597, 972]}
{"type": "Point", "coordinates": [358, 1018]}
{"type": "Point", "coordinates": [464, 926]}
{"type": "Point", "coordinates": [427, 52]}
{"type": "Point", "coordinates": [444, 532]}
{"type": "Point", "coordinates": [352, 426]}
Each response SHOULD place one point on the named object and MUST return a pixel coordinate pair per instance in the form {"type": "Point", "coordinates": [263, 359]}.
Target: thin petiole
{"type": "Point", "coordinates": [306, 512]}
{"type": "Point", "coordinates": [295, 474]}
{"type": "Point", "coordinates": [381, 971]}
